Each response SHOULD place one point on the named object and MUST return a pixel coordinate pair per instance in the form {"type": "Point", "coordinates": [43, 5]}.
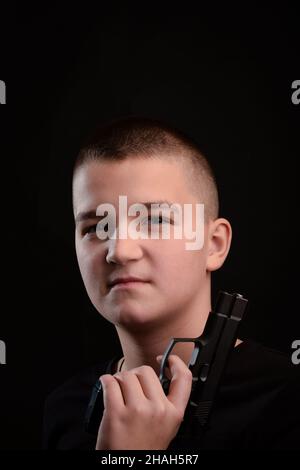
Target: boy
{"type": "Point", "coordinates": [153, 288]}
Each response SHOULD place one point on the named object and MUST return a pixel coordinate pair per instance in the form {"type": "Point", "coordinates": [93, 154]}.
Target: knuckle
{"type": "Point", "coordinates": [120, 415]}
{"type": "Point", "coordinates": [106, 380]}
{"type": "Point", "coordinates": [159, 410]}
{"type": "Point", "coordinates": [189, 374]}
{"type": "Point", "coordinates": [139, 409]}
{"type": "Point", "coordinates": [146, 369]}
{"type": "Point", "coordinates": [124, 375]}
{"type": "Point", "coordinates": [151, 411]}
{"type": "Point", "coordinates": [104, 375]}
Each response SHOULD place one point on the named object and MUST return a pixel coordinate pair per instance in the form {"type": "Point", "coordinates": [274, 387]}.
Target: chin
{"type": "Point", "coordinates": [135, 320]}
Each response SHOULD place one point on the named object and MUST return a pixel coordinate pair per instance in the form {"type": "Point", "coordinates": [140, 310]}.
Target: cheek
{"type": "Point", "coordinates": [177, 266]}
{"type": "Point", "coordinates": [90, 265]}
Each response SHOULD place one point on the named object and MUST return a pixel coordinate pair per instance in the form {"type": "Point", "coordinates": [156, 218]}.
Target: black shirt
{"type": "Point", "coordinates": [257, 407]}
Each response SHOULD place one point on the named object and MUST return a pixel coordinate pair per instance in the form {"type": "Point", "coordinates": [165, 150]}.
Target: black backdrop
{"type": "Point", "coordinates": [224, 77]}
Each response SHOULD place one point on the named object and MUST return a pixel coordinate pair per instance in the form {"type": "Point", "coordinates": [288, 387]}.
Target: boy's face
{"type": "Point", "coordinates": [175, 278]}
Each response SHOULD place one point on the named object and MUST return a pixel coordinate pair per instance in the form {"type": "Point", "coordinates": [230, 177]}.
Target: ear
{"type": "Point", "coordinates": [219, 241]}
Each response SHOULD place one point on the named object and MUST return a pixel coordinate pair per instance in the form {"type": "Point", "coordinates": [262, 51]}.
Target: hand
{"type": "Point", "coordinates": [137, 414]}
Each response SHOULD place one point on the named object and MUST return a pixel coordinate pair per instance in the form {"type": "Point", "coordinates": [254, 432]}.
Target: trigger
{"type": "Point", "coordinates": [194, 357]}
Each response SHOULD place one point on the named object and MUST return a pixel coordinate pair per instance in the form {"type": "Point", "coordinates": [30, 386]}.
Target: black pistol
{"type": "Point", "coordinates": [208, 361]}
{"type": "Point", "coordinates": [207, 364]}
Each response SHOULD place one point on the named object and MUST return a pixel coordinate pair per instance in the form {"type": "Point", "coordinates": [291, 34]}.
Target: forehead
{"type": "Point", "coordinates": [139, 179]}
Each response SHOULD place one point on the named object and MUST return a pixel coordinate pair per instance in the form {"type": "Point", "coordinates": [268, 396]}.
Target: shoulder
{"type": "Point", "coordinates": [259, 361]}
{"type": "Point", "coordinates": [257, 370]}
{"type": "Point", "coordinates": [65, 408]}
{"type": "Point", "coordinates": [79, 383]}
{"type": "Point", "coordinates": [270, 384]}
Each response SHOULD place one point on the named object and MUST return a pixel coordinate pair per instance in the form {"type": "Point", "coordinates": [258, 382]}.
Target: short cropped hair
{"type": "Point", "coordinates": [141, 137]}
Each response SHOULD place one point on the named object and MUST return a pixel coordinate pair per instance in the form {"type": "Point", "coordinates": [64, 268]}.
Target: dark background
{"type": "Point", "coordinates": [222, 76]}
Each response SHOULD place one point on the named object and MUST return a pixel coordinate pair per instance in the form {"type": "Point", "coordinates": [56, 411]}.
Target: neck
{"type": "Point", "coordinates": [141, 346]}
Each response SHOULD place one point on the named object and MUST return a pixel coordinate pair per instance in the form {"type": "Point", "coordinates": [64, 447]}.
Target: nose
{"type": "Point", "coordinates": [120, 251]}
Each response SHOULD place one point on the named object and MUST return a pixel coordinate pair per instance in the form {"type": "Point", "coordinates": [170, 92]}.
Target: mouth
{"type": "Point", "coordinates": [126, 283]}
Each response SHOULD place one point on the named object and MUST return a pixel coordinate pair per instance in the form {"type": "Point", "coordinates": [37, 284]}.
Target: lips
{"type": "Point", "coordinates": [124, 280]}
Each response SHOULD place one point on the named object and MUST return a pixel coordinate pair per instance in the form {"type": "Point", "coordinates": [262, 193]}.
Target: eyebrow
{"type": "Point", "coordinates": [88, 215]}
{"type": "Point", "coordinates": [82, 216]}
{"type": "Point", "coordinates": [148, 203]}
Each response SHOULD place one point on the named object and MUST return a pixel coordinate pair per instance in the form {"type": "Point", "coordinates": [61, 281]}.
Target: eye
{"type": "Point", "coordinates": [157, 219]}
{"type": "Point", "coordinates": [89, 230]}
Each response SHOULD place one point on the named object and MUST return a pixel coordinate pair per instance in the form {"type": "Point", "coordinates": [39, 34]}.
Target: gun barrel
{"type": "Point", "coordinates": [209, 365]}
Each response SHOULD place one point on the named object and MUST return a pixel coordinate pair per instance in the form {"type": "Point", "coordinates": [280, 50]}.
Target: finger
{"type": "Point", "coordinates": [130, 387]}
{"type": "Point", "coordinates": [150, 383]}
{"type": "Point", "coordinates": [166, 368]}
{"type": "Point", "coordinates": [112, 394]}
{"type": "Point", "coordinates": [139, 384]}
{"type": "Point", "coordinates": [181, 382]}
